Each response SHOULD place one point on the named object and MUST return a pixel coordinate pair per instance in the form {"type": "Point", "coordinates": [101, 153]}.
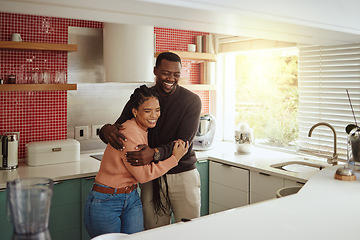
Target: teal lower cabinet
{"type": "Point", "coordinates": [203, 168]}
{"type": "Point", "coordinates": [67, 209]}
{"type": "Point", "coordinates": [6, 229]}
{"type": "Point", "coordinates": [65, 213]}
{"type": "Point", "coordinates": [86, 185]}
{"type": "Point", "coordinates": [67, 206]}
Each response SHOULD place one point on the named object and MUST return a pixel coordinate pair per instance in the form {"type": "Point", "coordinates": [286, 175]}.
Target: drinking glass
{"type": "Point", "coordinates": [60, 77]}
{"type": "Point", "coordinates": [35, 76]}
{"type": "Point", "coordinates": [46, 77]}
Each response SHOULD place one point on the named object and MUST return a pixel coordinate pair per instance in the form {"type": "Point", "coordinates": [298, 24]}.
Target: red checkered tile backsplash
{"type": "Point", "coordinates": [174, 39]}
{"type": "Point", "coordinates": [42, 116]}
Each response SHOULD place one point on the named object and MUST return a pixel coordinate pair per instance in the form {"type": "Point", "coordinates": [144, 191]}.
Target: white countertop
{"type": "Point", "coordinates": [324, 208]}
{"type": "Point", "coordinates": [260, 159]}
{"type": "Point", "coordinates": [85, 167]}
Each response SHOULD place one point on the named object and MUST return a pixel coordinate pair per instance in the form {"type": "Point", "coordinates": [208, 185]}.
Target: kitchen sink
{"type": "Point", "coordinates": [298, 166]}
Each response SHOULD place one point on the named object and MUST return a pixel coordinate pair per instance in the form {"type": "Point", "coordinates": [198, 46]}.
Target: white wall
{"type": "Point", "coordinates": [96, 104]}
{"type": "Point", "coordinates": [323, 22]}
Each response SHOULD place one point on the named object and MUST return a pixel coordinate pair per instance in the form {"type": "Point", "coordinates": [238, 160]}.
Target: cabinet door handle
{"type": "Point", "coordinates": [301, 183]}
{"type": "Point", "coordinates": [58, 182]}
{"type": "Point", "coordinates": [2, 189]}
{"type": "Point", "coordinates": [90, 178]}
{"type": "Point", "coordinates": [265, 174]}
{"type": "Point", "coordinates": [202, 161]}
{"type": "Point", "coordinates": [226, 165]}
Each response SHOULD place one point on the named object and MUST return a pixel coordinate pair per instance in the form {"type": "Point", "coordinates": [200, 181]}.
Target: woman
{"type": "Point", "coordinates": [113, 205]}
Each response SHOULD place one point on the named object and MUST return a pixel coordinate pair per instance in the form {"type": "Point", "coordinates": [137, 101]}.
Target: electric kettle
{"type": "Point", "coordinates": [9, 144]}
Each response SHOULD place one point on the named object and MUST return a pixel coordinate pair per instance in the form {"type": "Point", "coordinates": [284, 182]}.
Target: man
{"type": "Point", "coordinates": [179, 189]}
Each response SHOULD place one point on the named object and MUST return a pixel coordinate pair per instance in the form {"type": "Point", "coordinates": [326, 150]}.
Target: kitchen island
{"type": "Point", "coordinates": [324, 208]}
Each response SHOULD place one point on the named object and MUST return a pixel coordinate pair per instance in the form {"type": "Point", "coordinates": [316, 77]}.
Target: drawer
{"type": "Point", "coordinates": [265, 184]}
{"type": "Point", "coordinates": [231, 176]}
{"type": "Point", "coordinates": [214, 208]}
{"type": "Point", "coordinates": [255, 197]}
{"type": "Point", "coordinates": [227, 196]}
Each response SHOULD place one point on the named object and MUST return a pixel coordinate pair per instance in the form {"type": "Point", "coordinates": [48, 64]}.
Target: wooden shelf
{"type": "Point", "coordinates": [209, 57]}
{"type": "Point", "coordinates": [36, 87]}
{"type": "Point", "coordinates": [202, 57]}
{"type": "Point", "coordinates": [37, 46]}
{"type": "Point", "coordinates": [199, 87]}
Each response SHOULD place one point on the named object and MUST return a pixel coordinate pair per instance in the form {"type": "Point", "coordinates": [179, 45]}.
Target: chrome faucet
{"type": "Point", "coordinates": [333, 160]}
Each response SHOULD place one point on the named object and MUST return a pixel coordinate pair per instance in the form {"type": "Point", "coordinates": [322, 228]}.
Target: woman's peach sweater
{"type": "Point", "coordinates": [116, 172]}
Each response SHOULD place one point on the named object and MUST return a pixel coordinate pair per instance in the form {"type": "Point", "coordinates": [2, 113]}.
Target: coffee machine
{"type": "Point", "coordinates": [205, 135]}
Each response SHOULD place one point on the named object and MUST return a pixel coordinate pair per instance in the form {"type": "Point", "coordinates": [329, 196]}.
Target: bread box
{"type": "Point", "coordinates": [52, 152]}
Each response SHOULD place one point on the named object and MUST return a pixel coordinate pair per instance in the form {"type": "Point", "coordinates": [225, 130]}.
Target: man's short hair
{"type": "Point", "coordinates": [170, 56]}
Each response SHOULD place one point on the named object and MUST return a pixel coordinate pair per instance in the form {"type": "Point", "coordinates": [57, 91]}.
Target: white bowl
{"type": "Point", "coordinates": [111, 236]}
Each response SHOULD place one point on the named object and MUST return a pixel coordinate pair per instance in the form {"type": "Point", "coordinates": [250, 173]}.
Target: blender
{"type": "Point", "coordinates": [28, 204]}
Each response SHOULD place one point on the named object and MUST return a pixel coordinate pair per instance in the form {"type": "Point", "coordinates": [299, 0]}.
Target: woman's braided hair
{"type": "Point", "coordinates": [139, 96]}
{"type": "Point", "coordinates": [160, 199]}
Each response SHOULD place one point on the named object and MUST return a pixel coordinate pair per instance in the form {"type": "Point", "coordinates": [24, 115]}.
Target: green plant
{"type": "Point", "coordinates": [267, 97]}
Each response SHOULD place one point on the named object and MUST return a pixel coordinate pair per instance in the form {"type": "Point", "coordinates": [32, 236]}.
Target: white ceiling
{"type": "Point", "coordinates": [323, 22]}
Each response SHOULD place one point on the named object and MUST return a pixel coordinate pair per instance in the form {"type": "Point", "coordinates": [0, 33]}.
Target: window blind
{"type": "Point", "coordinates": [325, 72]}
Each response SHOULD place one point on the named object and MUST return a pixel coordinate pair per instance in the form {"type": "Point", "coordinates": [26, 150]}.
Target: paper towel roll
{"type": "Point", "coordinates": [207, 72]}
{"type": "Point", "coordinates": [198, 40]}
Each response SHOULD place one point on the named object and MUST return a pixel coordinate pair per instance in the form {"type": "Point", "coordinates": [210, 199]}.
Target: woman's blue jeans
{"type": "Point", "coordinates": [113, 213]}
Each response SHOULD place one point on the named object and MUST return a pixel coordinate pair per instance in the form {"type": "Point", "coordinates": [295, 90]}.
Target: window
{"type": "Point", "coordinates": [324, 75]}
{"type": "Point", "coordinates": [266, 95]}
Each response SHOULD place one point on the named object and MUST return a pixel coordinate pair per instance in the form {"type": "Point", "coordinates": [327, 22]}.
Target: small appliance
{"type": "Point", "coordinates": [205, 135]}
{"type": "Point", "coordinates": [353, 148]}
{"type": "Point", "coordinates": [9, 144]}
{"type": "Point", "coordinates": [244, 138]}
{"type": "Point", "coordinates": [29, 202]}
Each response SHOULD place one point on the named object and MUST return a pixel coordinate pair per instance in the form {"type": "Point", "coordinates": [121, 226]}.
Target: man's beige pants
{"type": "Point", "coordinates": [184, 194]}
